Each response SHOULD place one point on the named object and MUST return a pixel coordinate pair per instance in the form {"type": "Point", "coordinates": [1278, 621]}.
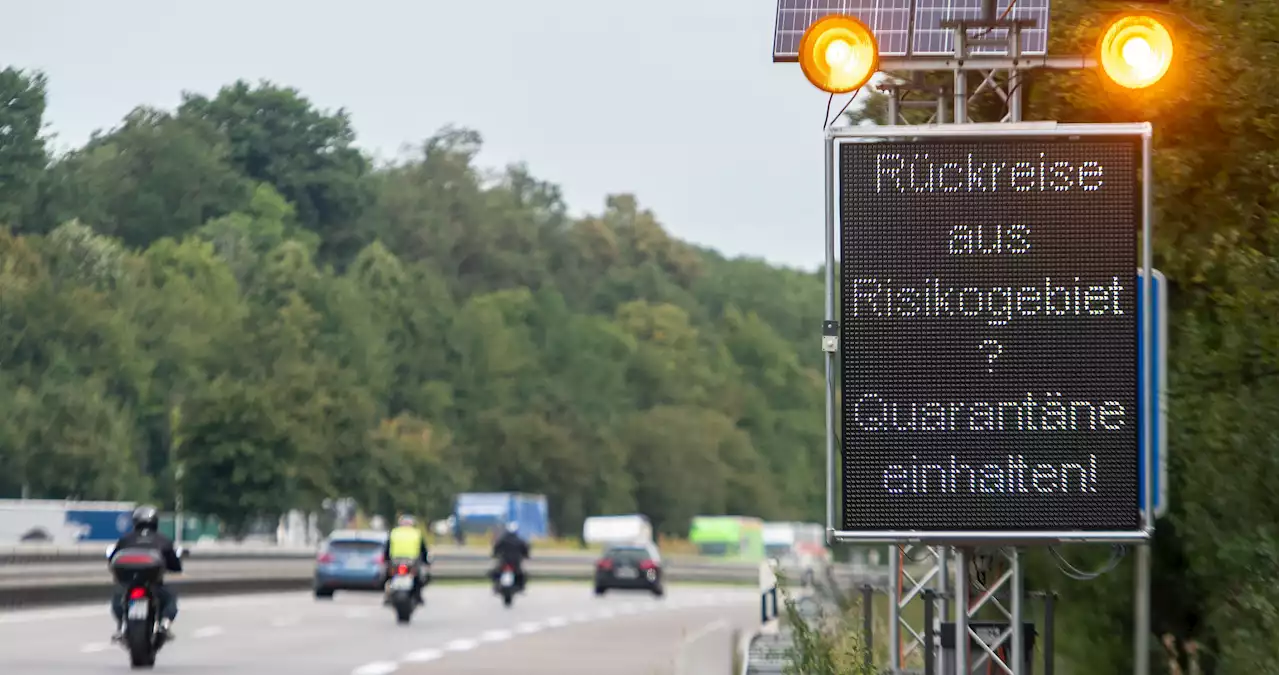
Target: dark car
{"type": "Point", "coordinates": [351, 560]}
{"type": "Point", "coordinates": [636, 567]}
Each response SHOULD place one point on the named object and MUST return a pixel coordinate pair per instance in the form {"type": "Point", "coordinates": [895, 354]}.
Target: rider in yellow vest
{"type": "Point", "coordinates": [405, 542]}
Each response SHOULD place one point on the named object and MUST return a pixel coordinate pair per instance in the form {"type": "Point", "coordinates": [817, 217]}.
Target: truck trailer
{"type": "Point", "coordinates": [488, 512]}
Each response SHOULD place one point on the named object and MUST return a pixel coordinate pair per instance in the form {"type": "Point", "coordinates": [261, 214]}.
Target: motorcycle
{"type": "Point", "coordinates": [139, 570]}
{"type": "Point", "coordinates": [401, 584]}
{"type": "Point", "coordinates": [400, 587]}
{"type": "Point", "coordinates": [505, 584]}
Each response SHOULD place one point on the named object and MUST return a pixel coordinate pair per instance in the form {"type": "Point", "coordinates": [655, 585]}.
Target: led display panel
{"type": "Point", "coordinates": [989, 337]}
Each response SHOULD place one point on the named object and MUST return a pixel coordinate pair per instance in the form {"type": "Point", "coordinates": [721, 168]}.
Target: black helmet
{"type": "Point", "coordinates": [146, 517]}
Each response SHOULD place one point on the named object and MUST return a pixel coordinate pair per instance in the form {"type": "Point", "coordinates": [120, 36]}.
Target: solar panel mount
{"type": "Point", "coordinates": [913, 27]}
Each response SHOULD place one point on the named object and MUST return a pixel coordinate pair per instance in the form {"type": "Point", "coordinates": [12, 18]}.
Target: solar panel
{"type": "Point", "coordinates": [932, 39]}
{"type": "Point", "coordinates": [893, 24]}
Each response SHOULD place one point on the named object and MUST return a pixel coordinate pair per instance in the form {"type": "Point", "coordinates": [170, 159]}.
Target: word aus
{"type": "Point", "coordinates": [1013, 476]}
{"type": "Point", "coordinates": [876, 298]}
{"type": "Point", "coordinates": [896, 172]}
{"type": "Point", "coordinates": [989, 240]}
{"type": "Point", "coordinates": [874, 413]}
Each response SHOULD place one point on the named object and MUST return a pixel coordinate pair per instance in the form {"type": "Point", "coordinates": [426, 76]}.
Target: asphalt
{"type": "Point", "coordinates": [556, 628]}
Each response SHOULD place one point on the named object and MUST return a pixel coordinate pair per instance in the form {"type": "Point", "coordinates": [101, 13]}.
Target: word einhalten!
{"type": "Point", "coordinates": [896, 172]}
{"type": "Point", "coordinates": [1012, 476]}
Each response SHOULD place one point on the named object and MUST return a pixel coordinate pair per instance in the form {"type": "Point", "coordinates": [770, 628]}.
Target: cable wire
{"type": "Point", "coordinates": [827, 120]}
{"type": "Point", "coordinates": [1118, 553]}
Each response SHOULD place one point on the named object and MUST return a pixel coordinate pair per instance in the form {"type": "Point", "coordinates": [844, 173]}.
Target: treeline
{"type": "Point", "coordinates": [229, 302]}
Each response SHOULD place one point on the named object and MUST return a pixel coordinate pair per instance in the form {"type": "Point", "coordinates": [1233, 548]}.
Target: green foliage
{"type": "Point", "coordinates": [228, 304]}
{"type": "Point", "coordinates": [829, 645]}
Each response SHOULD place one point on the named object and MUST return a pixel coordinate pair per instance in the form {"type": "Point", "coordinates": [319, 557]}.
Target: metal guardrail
{"type": "Point", "coordinates": [45, 575]}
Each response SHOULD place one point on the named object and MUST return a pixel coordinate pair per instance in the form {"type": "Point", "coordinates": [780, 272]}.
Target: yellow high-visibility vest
{"type": "Point", "coordinates": [406, 542]}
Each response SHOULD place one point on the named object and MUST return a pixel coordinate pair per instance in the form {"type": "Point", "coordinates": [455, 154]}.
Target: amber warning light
{"type": "Point", "coordinates": [838, 54]}
{"type": "Point", "coordinates": [1135, 51]}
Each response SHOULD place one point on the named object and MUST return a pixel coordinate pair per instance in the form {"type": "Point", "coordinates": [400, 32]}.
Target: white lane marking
{"type": "Point", "coordinates": [376, 668]}
{"type": "Point", "coordinates": [627, 609]}
{"type": "Point", "coordinates": [495, 635]}
{"type": "Point", "coordinates": [25, 616]}
{"type": "Point", "coordinates": [604, 614]}
{"type": "Point", "coordinates": [579, 617]}
{"type": "Point", "coordinates": [284, 621]}
{"type": "Point", "coordinates": [557, 621]}
{"type": "Point", "coordinates": [528, 628]}
{"type": "Point", "coordinates": [96, 609]}
{"type": "Point", "coordinates": [718, 624]}
{"type": "Point", "coordinates": [422, 656]}
{"type": "Point", "coordinates": [94, 647]}
{"type": "Point", "coordinates": [207, 631]}
{"type": "Point", "coordinates": [460, 645]}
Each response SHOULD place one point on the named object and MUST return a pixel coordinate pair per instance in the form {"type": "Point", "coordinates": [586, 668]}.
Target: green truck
{"type": "Point", "coordinates": [733, 537]}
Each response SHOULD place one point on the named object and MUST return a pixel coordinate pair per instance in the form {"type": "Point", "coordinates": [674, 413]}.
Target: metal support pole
{"type": "Point", "coordinates": [1019, 647]}
{"type": "Point", "coordinates": [868, 611]}
{"type": "Point", "coordinates": [895, 609]}
{"type": "Point", "coordinates": [944, 581]}
{"type": "Point", "coordinates": [1015, 77]}
{"type": "Point", "coordinates": [960, 85]}
{"type": "Point", "coordinates": [929, 642]}
{"type": "Point", "coordinates": [1142, 611]}
{"type": "Point", "coordinates": [829, 314]}
{"type": "Point", "coordinates": [893, 106]}
{"type": "Point", "coordinates": [961, 607]}
{"type": "Point", "coordinates": [1050, 599]}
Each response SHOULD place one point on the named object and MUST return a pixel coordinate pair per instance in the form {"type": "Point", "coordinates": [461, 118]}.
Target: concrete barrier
{"type": "Point", "coordinates": [41, 575]}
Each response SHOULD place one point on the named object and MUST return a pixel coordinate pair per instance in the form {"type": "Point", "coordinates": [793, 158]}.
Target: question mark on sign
{"type": "Point", "coordinates": [991, 357]}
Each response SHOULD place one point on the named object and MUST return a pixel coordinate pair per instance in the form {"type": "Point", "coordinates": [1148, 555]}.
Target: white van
{"type": "Point", "coordinates": [625, 529]}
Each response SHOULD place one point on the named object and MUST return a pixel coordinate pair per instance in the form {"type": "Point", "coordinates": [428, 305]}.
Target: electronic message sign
{"type": "Point", "coordinates": [989, 332]}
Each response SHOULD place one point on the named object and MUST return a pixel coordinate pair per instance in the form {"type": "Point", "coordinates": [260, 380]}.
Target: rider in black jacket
{"type": "Point", "coordinates": [510, 549]}
{"type": "Point", "coordinates": [145, 534]}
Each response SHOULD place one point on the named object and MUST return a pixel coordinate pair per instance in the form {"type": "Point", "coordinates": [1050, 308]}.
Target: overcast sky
{"type": "Point", "coordinates": [676, 101]}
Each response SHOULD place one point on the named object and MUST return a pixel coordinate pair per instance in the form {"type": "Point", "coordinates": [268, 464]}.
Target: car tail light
{"type": "Point", "coordinates": [403, 569]}
{"type": "Point", "coordinates": [606, 564]}
{"type": "Point", "coordinates": [137, 593]}
{"type": "Point", "coordinates": [648, 565]}
{"type": "Point", "coordinates": [507, 568]}
{"type": "Point", "coordinates": [325, 557]}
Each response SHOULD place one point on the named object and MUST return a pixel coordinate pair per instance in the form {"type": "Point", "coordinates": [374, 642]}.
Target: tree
{"type": "Point", "coordinates": [278, 137]}
{"type": "Point", "coordinates": [22, 148]}
{"type": "Point", "coordinates": [156, 175]}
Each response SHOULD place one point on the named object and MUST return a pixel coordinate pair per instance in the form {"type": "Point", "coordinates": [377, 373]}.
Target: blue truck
{"type": "Point", "coordinates": [485, 512]}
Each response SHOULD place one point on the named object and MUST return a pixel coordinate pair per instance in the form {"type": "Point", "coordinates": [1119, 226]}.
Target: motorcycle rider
{"type": "Point", "coordinates": [405, 542]}
{"type": "Point", "coordinates": [511, 550]}
{"type": "Point", "coordinates": [146, 535]}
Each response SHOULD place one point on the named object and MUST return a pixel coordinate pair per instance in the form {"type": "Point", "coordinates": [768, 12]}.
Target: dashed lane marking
{"type": "Point", "coordinates": [422, 656]}
{"type": "Point", "coordinates": [207, 631]}
{"type": "Point", "coordinates": [377, 668]}
{"type": "Point", "coordinates": [460, 645]}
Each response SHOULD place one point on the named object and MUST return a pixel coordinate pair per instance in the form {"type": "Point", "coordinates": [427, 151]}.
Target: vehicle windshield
{"type": "Point", "coordinates": [355, 547]}
{"type": "Point", "coordinates": [713, 548]}
{"type": "Point", "coordinates": [629, 555]}
{"type": "Point", "coordinates": [777, 550]}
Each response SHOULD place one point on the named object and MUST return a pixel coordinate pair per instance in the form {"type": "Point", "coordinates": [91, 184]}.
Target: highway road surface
{"type": "Point", "coordinates": [555, 628]}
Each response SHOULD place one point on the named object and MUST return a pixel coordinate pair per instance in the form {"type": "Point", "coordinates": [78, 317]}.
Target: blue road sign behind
{"type": "Point", "coordinates": [1158, 382]}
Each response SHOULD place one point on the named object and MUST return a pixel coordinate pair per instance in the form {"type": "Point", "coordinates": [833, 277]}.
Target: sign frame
{"type": "Point", "coordinates": [840, 136]}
